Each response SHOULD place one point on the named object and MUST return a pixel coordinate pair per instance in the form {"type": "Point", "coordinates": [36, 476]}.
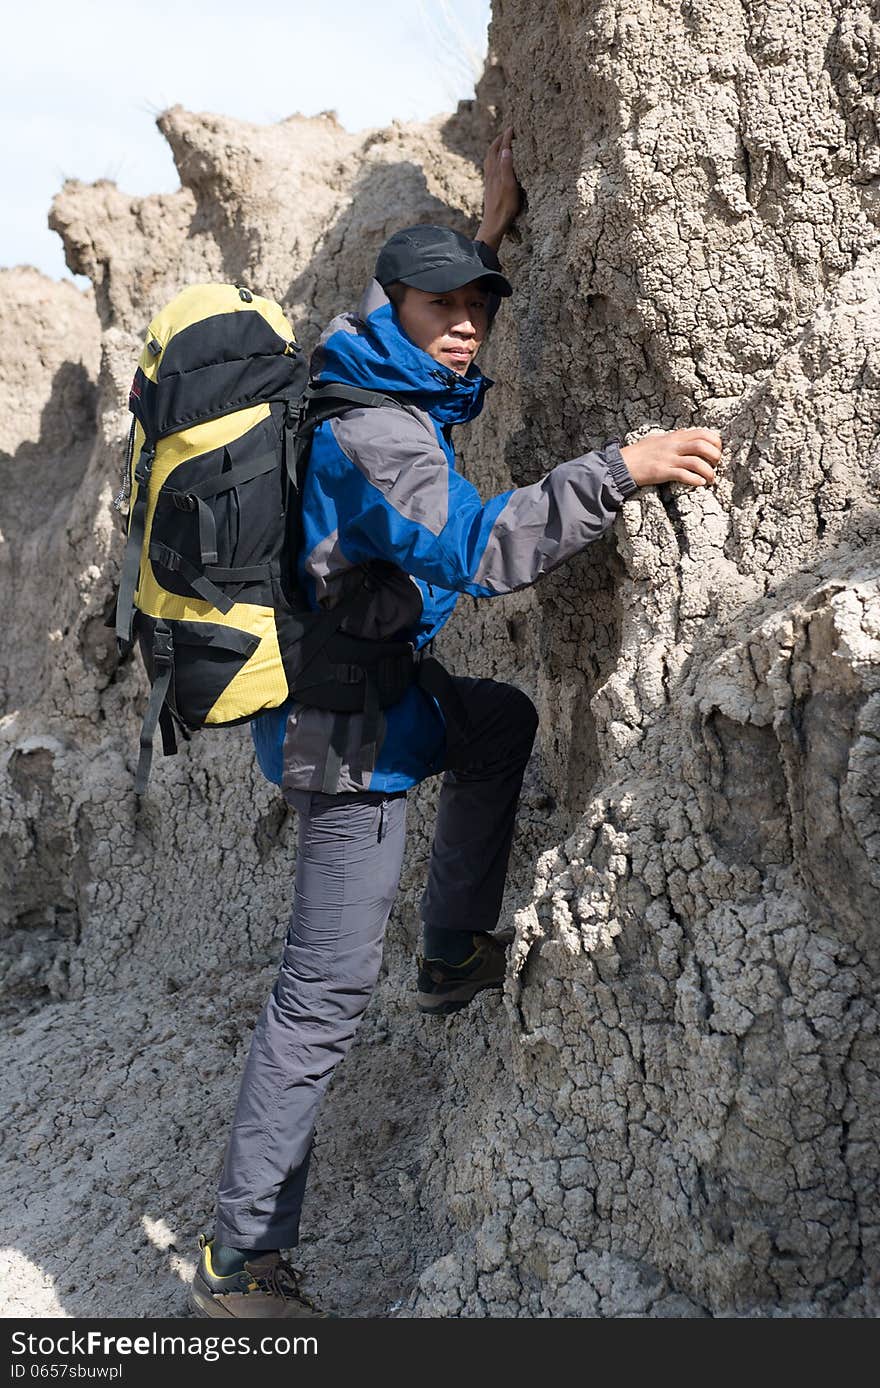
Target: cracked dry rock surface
{"type": "Point", "coordinates": [673, 1110]}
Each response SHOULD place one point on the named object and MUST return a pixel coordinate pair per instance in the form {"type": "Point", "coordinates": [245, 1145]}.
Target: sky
{"type": "Point", "coordinates": [81, 85]}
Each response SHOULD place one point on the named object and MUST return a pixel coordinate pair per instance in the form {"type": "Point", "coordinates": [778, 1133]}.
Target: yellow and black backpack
{"type": "Point", "coordinates": [223, 414]}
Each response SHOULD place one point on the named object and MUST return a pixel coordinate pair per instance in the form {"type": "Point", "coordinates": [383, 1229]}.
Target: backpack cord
{"type": "Point", "coordinates": [122, 496]}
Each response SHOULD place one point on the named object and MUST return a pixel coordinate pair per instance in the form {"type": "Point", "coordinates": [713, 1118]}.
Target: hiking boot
{"type": "Point", "coordinates": [445, 988]}
{"type": "Point", "coordinates": [268, 1286]}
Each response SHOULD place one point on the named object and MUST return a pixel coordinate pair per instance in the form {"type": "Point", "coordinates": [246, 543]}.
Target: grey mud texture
{"type": "Point", "coordinates": [673, 1109]}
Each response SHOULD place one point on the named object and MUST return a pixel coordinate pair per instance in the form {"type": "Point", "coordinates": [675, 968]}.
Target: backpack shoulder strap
{"type": "Point", "coordinates": [321, 401]}
{"type": "Point", "coordinates": [319, 391]}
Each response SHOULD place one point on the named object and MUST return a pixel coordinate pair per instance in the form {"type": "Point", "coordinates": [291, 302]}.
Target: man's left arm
{"type": "Point", "coordinates": [502, 195]}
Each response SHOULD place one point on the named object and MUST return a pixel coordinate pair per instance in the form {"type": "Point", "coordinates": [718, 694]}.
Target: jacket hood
{"type": "Point", "coordinates": [370, 349]}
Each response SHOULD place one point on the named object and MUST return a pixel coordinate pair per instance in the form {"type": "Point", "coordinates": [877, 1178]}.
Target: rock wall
{"type": "Point", "coordinates": [674, 1109]}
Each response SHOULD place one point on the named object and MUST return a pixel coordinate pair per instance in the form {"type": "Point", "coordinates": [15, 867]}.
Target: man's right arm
{"type": "Point", "coordinates": [400, 501]}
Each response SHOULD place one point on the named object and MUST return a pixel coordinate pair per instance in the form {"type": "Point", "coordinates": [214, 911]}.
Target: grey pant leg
{"type": "Point", "coordinates": [348, 867]}
{"type": "Point", "coordinates": [476, 814]}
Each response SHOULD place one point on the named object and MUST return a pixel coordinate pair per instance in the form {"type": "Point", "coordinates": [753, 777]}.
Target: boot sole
{"type": "Point", "coordinates": [434, 1005]}
{"type": "Point", "coordinates": [206, 1304]}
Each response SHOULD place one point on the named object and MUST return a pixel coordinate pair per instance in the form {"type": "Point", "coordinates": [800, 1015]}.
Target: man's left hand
{"type": "Point", "coordinates": [502, 198]}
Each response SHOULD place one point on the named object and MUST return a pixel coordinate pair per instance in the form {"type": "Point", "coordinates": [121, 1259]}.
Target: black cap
{"type": "Point", "coordinates": [437, 259]}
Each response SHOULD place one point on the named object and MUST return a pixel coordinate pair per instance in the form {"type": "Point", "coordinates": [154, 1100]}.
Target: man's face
{"type": "Point", "coordinates": [449, 326]}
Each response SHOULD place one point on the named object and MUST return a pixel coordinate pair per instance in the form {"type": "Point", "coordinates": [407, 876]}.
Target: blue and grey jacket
{"type": "Point", "coordinates": [382, 491]}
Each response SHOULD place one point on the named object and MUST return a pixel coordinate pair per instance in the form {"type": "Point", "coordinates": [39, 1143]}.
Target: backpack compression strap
{"type": "Point", "coordinates": [163, 669]}
{"type": "Point", "coordinates": [131, 560]}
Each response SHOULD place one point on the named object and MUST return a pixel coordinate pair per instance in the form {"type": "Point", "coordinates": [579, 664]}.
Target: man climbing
{"type": "Point", "coordinates": [386, 513]}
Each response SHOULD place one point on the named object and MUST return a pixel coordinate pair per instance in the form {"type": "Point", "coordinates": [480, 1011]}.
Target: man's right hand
{"type": "Point", "coordinates": [680, 455]}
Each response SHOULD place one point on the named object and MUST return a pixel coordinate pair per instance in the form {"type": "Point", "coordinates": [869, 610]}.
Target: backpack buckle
{"type": "Point", "coordinates": [349, 674]}
{"type": "Point", "coordinates": [144, 466]}
{"type": "Point", "coordinates": [183, 501]}
{"type": "Point", "coordinates": [163, 649]}
{"type": "Point", "coordinates": [167, 558]}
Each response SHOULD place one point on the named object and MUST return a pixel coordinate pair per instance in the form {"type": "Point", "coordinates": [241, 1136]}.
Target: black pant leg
{"type": "Point", "coordinates": [476, 814]}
